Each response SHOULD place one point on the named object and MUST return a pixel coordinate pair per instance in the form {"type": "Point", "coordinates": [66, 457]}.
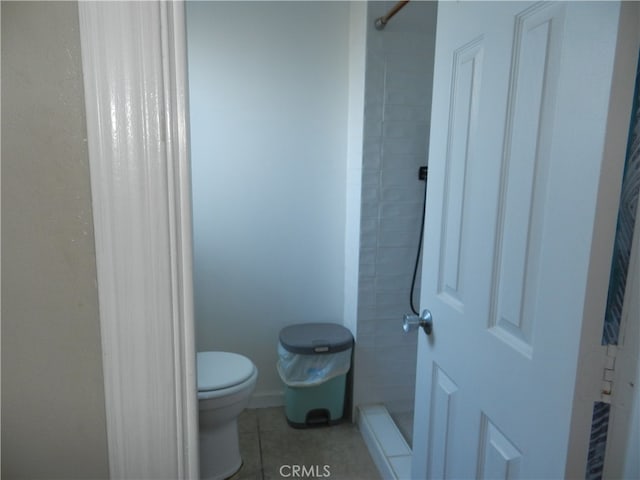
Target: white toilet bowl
{"type": "Point", "coordinates": [225, 383]}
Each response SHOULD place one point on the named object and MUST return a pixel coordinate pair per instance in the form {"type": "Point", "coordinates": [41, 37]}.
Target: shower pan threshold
{"type": "Point", "coordinates": [387, 446]}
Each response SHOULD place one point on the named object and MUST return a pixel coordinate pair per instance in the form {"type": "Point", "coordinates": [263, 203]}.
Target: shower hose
{"type": "Point", "coordinates": [415, 268]}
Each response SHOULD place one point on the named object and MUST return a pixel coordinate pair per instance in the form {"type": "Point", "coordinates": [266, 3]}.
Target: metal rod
{"type": "Point", "coordinates": [381, 22]}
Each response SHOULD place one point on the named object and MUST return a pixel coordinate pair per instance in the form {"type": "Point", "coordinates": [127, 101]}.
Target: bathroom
{"type": "Point", "coordinates": [97, 236]}
{"type": "Point", "coordinates": [308, 128]}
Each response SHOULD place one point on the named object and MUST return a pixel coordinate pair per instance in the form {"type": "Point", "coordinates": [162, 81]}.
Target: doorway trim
{"type": "Point", "coordinates": [135, 87]}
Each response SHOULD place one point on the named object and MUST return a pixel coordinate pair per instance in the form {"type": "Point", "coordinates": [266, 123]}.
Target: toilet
{"type": "Point", "coordinates": [225, 383]}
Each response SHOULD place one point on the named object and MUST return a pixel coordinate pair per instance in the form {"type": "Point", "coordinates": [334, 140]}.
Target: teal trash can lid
{"type": "Point", "coordinates": [314, 338]}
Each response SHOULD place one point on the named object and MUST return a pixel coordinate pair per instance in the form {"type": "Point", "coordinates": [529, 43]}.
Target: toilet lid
{"type": "Point", "coordinates": [218, 370]}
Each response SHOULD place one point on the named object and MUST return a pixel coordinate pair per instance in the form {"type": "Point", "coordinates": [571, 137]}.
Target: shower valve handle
{"type": "Point", "coordinates": [411, 322]}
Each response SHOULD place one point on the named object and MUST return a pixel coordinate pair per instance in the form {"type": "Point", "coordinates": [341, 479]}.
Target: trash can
{"type": "Point", "coordinates": [314, 359]}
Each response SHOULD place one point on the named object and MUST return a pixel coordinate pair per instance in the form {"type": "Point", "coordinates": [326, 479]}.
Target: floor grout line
{"type": "Point", "coordinates": [260, 446]}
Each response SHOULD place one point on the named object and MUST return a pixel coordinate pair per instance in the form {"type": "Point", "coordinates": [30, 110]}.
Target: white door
{"type": "Point", "coordinates": [516, 239]}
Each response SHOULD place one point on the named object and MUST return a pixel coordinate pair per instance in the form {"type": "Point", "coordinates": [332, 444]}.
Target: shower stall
{"type": "Point", "coordinates": [398, 81]}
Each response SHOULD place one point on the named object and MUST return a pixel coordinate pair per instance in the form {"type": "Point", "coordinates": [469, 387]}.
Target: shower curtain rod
{"type": "Point", "coordinates": [381, 22]}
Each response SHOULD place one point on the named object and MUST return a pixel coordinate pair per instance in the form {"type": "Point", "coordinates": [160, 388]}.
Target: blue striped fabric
{"type": "Point", "coordinates": [624, 230]}
{"type": "Point", "coordinates": [597, 440]}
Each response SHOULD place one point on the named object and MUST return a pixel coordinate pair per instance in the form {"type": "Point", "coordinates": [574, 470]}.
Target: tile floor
{"type": "Point", "coordinates": [270, 449]}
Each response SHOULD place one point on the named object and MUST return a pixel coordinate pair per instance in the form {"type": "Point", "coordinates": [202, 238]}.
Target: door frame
{"type": "Point", "coordinates": [593, 356]}
{"type": "Point", "coordinates": [135, 85]}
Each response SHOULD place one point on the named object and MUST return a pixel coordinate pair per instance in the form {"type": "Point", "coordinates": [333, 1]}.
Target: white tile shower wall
{"type": "Point", "coordinates": [396, 127]}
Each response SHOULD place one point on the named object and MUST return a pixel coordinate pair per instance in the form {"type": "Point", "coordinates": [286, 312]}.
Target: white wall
{"type": "Point", "coordinates": [53, 411]}
{"type": "Point", "coordinates": [269, 108]}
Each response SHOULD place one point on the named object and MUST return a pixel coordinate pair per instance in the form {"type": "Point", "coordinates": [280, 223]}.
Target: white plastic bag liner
{"type": "Point", "coordinates": [304, 370]}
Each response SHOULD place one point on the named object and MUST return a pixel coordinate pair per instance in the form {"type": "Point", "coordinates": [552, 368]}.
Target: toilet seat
{"type": "Point", "coordinates": [222, 370]}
